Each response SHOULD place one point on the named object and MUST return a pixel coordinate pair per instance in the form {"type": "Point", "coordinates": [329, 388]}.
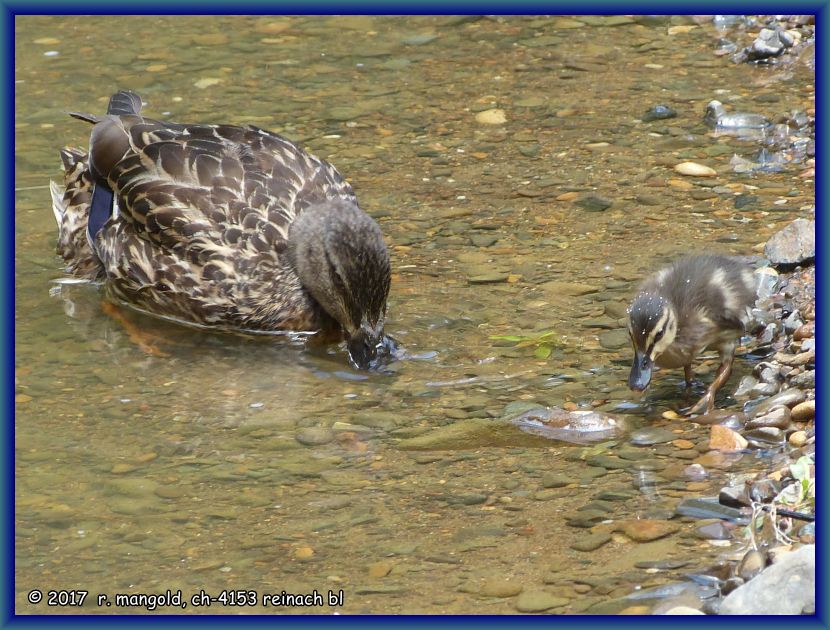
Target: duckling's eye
{"type": "Point", "coordinates": [659, 335]}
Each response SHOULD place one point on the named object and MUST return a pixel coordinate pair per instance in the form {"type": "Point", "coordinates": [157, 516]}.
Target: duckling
{"type": "Point", "coordinates": [695, 303]}
{"type": "Point", "coordinates": [229, 227]}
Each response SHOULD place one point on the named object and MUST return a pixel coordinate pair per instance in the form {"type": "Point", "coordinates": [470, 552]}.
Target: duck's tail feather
{"type": "Point", "coordinates": [124, 103]}
{"type": "Point", "coordinates": [70, 205]}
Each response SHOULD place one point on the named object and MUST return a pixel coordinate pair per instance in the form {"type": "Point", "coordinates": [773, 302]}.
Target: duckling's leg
{"type": "Point", "coordinates": [143, 340]}
{"type": "Point", "coordinates": [727, 355]}
{"type": "Point", "coordinates": [687, 374]}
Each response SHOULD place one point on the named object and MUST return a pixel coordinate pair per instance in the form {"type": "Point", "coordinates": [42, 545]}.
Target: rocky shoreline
{"type": "Point", "coordinates": [776, 573]}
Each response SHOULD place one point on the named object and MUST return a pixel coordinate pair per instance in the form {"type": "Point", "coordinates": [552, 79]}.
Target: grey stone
{"type": "Point", "coordinates": [594, 203]}
{"type": "Point", "coordinates": [538, 601]}
{"type": "Point", "coordinates": [745, 386]}
{"type": "Point", "coordinates": [591, 542]}
{"type": "Point", "coordinates": [805, 380]}
{"type": "Point", "coordinates": [614, 339]}
{"type": "Point", "coordinates": [788, 587]}
{"type": "Point", "coordinates": [793, 245]}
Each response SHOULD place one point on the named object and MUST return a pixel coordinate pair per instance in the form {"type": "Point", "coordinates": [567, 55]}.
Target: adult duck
{"type": "Point", "coordinates": [221, 226]}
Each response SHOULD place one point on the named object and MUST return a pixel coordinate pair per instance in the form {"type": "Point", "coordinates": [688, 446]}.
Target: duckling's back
{"type": "Point", "coordinates": [717, 288]}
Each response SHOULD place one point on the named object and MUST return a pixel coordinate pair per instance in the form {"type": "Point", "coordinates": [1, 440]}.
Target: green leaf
{"type": "Point", "coordinates": [801, 468]}
{"type": "Point", "coordinates": [508, 338]}
{"type": "Point", "coordinates": [542, 352]}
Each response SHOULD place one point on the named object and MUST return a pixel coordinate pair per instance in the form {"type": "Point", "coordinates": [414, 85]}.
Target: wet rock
{"type": "Point", "coordinates": [764, 389]}
{"type": "Point", "coordinates": [659, 112]}
{"type": "Point", "coordinates": [591, 542]}
{"type": "Point", "coordinates": [562, 287]}
{"type": "Point", "coordinates": [651, 435]}
{"type": "Point", "coordinates": [726, 440]}
{"type": "Point", "coordinates": [484, 240]}
{"type": "Point", "coordinates": [804, 411]}
{"type": "Point", "coordinates": [491, 117]}
{"type": "Point", "coordinates": [381, 569]}
{"type": "Point", "coordinates": [614, 339]}
{"type": "Point", "coordinates": [769, 43]}
{"type": "Point", "coordinates": [707, 508]}
{"type": "Point", "coordinates": [496, 587]}
{"type": "Point", "coordinates": [585, 518]}
{"type": "Point", "coordinates": [714, 531]}
{"type": "Point", "coordinates": [467, 434]}
{"type": "Point", "coordinates": [792, 322]}
{"type": "Point", "coordinates": [798, 439]}
{"type": "Point", "coordinates": [793, 245]}
{"type": "Point", "coordinates": [802, 358]}
{"type": "Point", "coordinates": [695, 472]}
{"type": "Point", "coordinates": [785, 588]}
{"type": "Point", "coordinates": [779, 417]}
{"type": "Point", "coordinates": [539, 601]}
{"type": "Point", "coordinates": [645, 530]}
{"type": "Point", "coordinates": [788, 398]}
{"type": "Point", "coordinates": [763, 490]}
{"type": "Point", "coordinates": [579, 426]}
{"type": "Point", "coordinates": [489, 278]}
{"type": "Point", "coordinates": [594, 203]}
{"type": "Point", "coordinates": [734, 496]}
{"type": "Point", "coordinates": [553, 480]}
{"type": "Point", "coordinates": [805, 331]}
{"type": "Point", "coordinates": [764, 437]}
{"type": "Point", "coordinates": [694, 169]}
{"type": "Point", "coordinates": [745, 386]}
{"type": "Point", "coordinates": [743, 201]}
{"type": "Point", "coordinates": [314, 436]}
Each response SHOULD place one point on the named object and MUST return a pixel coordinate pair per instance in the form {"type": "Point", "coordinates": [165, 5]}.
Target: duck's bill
{"type": "Point", "coordinates": [367, 353]}
{"type": "Point", "coordinates": [640, 375]}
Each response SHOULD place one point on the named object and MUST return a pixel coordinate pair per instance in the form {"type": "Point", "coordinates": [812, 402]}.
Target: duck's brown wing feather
{"type": "Point", "coordinates": [179, 185]}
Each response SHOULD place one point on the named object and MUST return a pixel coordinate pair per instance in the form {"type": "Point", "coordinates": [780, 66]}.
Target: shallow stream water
{"type": "Point", "coordinates": [261, 464]}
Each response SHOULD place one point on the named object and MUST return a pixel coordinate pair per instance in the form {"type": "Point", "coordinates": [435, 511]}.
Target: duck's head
{"type": "Point", "coordinates": [342, 261]}
{"type": "Point", "coordinates": [652, 325]}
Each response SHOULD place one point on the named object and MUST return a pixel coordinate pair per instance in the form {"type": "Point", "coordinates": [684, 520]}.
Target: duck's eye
{"type": "Point", "coordinates": [659, 335]}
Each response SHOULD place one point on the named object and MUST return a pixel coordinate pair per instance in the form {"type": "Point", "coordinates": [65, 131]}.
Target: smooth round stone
{"type": "Point", "coordinates": [488, 278]}
{"type": "Point", "coordinates": [547, 494]}
{"type": "Point", "coordinates": [798, 439]}
{"type": "Point", "coordinates": [608, 462]}
{"type": "Point", "coordinates": [659, 112]}
{"type": "Point", "coordinates": [614, 339]}
{"type": "Point", "coordinates": [585, 518]}
{"type": "Point", "coordinates": [751, 564]}
{"type": "Point", "coordinates": [314, 436]}
{"type": "Point", "coordinates": [169, 492]}
{"type": "Point", "coordinates": [714, 531]}
{"type": "Point", "coordinates": [136, 487]}
{"type": "Point", "coordinates": [539, 601]}
{"type": "Point", "coordinates": [779, 418]}
{"type": "Point", "coordinates": [695, 170]}
{"type": "Point", "coordinates": [645, 530]}
{"type": "Point", "coordinates": [594, 203]}
{"type": "Point", "coordinates": [553, 480]}
{"type": "Point", "coordinates": [591, 542]}
{"type": "Point", "coordinates": [491, 117]}
{"type": "Point", "coordinates": [497, 587]}
{"type": "Point", "coordinates": [651, 435]}
{"type": "Point", "coordinates": [804, 411]}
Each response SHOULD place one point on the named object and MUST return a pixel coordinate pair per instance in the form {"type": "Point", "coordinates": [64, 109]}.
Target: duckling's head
{"type": "Point", "coordinates": [652, 325]}
{"type": "Point", "coordinates": [342, 261]}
